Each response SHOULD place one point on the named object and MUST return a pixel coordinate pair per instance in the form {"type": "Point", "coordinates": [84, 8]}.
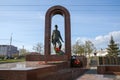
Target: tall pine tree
{"type": "Point", "coordinates": [113, 48]}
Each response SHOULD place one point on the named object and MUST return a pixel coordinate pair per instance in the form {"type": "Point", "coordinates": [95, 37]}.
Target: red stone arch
{"type": "Point", "coordinates": [49, 14]}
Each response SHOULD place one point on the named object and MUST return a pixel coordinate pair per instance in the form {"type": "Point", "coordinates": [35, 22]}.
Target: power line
{"type": "Point", "coordinates": [12, 40]}
{"type": "Point", "coordinates": [65, 5]}
{"type": "Point", "coordinates": [4, 39]}
{"type": "Point", "coordinates": [69, 9]}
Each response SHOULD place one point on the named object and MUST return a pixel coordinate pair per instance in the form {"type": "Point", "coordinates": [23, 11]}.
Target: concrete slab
{"type": "Point", "coordinates": [92, 75]}
{"type": "Point", "coordinates": [29, 65]}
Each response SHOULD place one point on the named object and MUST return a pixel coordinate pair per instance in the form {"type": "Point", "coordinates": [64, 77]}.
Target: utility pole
{"type": "Point", "coordinates": [10, 52]}
{"type": "Point", "coordinates": [11, 39]}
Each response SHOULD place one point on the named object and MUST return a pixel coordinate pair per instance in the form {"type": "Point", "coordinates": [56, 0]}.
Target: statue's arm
{"type": "Point", "coordinates": [60, 37]}
{"type": "Point", "coordinates": [52, 35]}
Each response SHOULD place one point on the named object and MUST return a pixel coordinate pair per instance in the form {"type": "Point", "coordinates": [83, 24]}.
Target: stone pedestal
{"type": "Point", "coordinates": [38, 57]}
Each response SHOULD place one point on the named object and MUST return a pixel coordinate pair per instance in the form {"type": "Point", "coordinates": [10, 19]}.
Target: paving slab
{"type": "Point", "coordinates": [92, 75]}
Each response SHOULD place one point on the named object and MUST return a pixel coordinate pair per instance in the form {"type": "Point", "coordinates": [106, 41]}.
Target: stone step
{"type": "Point", "coordinates": [63, 74]}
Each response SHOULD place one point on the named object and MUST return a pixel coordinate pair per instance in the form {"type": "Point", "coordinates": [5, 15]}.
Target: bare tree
{"type": "Point", "coordinates": [23, 52]}
{"type": "Point", "coordinates": [89, 47]}
{"type": "Point", "coordinates": [78, 48]}
{"type": "Point", "coordinates": [38, 47]}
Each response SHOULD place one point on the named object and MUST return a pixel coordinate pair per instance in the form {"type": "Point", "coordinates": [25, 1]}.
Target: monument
{"type": "Point", "coordinates": [49, 14]}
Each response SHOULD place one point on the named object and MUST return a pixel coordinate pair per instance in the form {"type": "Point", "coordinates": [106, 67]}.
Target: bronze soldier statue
{"type": "Point", "coordinates": [56, 37]}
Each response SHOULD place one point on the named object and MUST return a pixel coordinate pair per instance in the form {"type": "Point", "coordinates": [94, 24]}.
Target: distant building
{"type": "Point", "coordinates": [8, 50]}
{"type": "Point", "coordinates": [99, 53]}
{"type": "Point", "coordinates": [103, 52]}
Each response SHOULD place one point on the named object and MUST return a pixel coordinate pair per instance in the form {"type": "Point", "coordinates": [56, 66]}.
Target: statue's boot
{"type": "Point", "coordinates": [60, 47]}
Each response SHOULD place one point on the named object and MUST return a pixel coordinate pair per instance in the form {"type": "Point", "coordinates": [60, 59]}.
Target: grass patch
{"type": "Point", "coordinates": [11, 60]}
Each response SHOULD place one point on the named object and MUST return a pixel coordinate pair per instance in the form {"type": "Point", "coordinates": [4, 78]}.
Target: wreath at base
{"type": "Point", "coordinates": [58, 51]}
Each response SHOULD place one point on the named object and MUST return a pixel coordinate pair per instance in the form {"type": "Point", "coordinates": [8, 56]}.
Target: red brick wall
{"type": "Point", "coordinates": [108, 69]}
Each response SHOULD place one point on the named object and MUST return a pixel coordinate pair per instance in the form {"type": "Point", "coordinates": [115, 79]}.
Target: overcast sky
{"type": "Point", "coordinates": [94, 20]}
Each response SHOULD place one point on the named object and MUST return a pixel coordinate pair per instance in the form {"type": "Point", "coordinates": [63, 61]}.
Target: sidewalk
{"type": "Point", "coordinates": [92, 75]}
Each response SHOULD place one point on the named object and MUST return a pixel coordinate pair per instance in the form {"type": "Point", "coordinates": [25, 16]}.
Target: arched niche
{"type": "Point", "coordinates": [59, 20]}
{"type": "Point", "coordinates": [67, 27]}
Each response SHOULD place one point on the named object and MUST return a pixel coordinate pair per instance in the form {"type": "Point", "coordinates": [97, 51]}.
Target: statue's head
{"type": "Point", "coordinates": [56, 26]}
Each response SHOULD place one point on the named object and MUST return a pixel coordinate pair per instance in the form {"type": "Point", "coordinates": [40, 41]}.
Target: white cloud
{"type": "Point", "coordinates": [102, 41]}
